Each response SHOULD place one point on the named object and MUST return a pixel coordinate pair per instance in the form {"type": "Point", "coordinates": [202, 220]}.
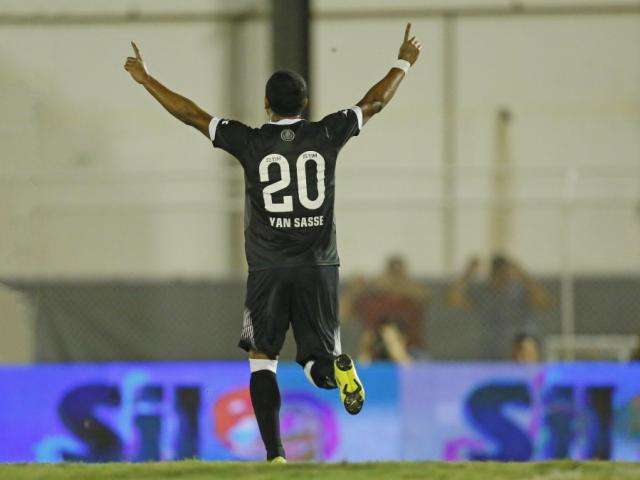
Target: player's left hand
{"type": "Point", "coordinates": [410, 48]}
{"type": "Point", "coordinates": [135, 66]}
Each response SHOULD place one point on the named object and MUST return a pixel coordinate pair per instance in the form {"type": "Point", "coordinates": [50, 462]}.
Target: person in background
{"type": "Point", "coordinates": [508, 304]}
{"type": "Point", "coordinates": [391, 309]}
{"type": "Point", "coordinates": [526, 349]}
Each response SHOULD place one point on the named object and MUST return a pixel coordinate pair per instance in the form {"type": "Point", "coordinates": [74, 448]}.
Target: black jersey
{"type": "Point", "coordinates": [289, 170]}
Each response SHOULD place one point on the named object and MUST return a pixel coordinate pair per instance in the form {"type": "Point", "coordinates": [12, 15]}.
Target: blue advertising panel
{"type": "Point", "coordinates": [516, 413]}
{"type": "Point", "coordinates": [165, 411]}
{"type": "Point", "coordinates": [427, 411]}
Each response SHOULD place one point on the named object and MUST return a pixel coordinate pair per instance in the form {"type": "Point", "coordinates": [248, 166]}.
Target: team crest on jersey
{"type": "Point", "coordinates": [287, 135]}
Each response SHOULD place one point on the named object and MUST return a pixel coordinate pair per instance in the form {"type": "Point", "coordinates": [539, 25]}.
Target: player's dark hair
{"type": "Point", "coordinates": [394, 260]}
{"type": "Point", "coordinates": [286, 92]}
{"type": "Point", "coordinates": [498, 262]}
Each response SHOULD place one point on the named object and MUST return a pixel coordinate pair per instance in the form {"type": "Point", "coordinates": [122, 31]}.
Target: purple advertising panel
{"type": "Point", "coordinates": [166, 411]}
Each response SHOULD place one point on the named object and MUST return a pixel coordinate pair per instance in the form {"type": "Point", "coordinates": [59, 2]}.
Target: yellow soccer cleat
{"type": "Point", "coordinates": [278, 460]}
{"type": "Point", "coordinates": [350, 386]}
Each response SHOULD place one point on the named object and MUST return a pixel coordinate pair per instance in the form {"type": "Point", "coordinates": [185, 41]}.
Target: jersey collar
{"type": "Point", "coordinates": [286, 121]}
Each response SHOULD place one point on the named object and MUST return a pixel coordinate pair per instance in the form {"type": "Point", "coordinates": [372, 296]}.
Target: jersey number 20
{"type": "Point", "coordinates": [285, 179]}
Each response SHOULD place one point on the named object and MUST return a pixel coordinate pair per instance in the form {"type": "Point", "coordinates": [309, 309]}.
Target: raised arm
{"type": "Point", "coordinates": [456, 295]}
{"type": "Point", "coordinates": [537, 294]}
{"type": "Point", "coordinates": [180, 107]}
{"type": "Point", "coordinates": [382, 92]}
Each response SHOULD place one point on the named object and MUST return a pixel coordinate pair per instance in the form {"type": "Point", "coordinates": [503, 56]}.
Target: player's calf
{"type": "Point", "coordinates": [320, 373]}
{"type": "Point", "coordinates": [265, 398]}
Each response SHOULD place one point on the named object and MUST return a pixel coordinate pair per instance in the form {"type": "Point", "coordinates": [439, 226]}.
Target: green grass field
{"type": "Point", "coordinates": [195, 470]}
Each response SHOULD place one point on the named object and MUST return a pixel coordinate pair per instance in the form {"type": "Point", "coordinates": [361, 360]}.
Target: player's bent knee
{"type": "Point", "coordinates": [257, 364]}
{"type": "Point", "coordinates": [320, 373]}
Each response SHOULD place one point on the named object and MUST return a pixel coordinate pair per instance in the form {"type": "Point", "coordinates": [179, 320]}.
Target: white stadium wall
{"type": "Point", "coordinates": [575, 99]}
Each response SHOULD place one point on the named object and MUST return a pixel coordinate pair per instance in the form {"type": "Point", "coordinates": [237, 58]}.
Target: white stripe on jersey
{"type": "Point", "coordinates": [358, 112]}
{"type": "Point", "coordinates": [213, 125]}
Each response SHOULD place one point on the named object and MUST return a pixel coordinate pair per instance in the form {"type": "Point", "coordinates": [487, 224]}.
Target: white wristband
{"type": "Point", "coordinates": [402, 65]}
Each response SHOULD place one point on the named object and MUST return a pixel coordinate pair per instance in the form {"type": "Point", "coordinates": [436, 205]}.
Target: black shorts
{"type": "Point", "coordinates": [305, 298]}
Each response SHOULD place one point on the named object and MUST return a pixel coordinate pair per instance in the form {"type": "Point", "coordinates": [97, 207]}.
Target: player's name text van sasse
{"type": "Point", "coordinates": [297, 222]}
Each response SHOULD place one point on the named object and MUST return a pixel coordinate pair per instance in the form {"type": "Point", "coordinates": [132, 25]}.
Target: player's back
{"type": "Point", "coordinates": [289, 170]}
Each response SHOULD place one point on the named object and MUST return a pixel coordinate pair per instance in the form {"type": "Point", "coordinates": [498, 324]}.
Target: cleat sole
{"type": "Point", "coordinates": [351, 389]}
{"type": "Point", "coordinates": [344, 362]}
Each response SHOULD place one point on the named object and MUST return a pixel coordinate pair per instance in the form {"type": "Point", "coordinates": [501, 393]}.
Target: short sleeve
{"type": "Point", "coordinates": [343, 125]}
{"type": "Point", "coordinates": [229, 135]}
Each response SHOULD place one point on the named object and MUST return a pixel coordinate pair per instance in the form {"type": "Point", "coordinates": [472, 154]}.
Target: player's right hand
{"type": "Point", "coordinates": [410, 48]}
{"type": "Point", "coordinates": [135, 66]}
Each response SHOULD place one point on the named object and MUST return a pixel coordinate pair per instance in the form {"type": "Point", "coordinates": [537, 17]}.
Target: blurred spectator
{"type": "Point", "coordinates": [507, 303]}
{"type": "Point", "coordinates": [391, 309]}
{"type": "Point", "coordinates": [526, 349]}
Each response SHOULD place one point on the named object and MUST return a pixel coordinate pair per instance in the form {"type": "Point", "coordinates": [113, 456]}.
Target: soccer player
{"type": "Point", "coordinates": [290, 236]}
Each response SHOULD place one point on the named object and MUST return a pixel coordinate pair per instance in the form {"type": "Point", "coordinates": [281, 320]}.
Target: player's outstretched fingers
{"type": "Point", "coordinates": [136, 50]}
{"type": "Point", "coordinates": [407, 31]}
